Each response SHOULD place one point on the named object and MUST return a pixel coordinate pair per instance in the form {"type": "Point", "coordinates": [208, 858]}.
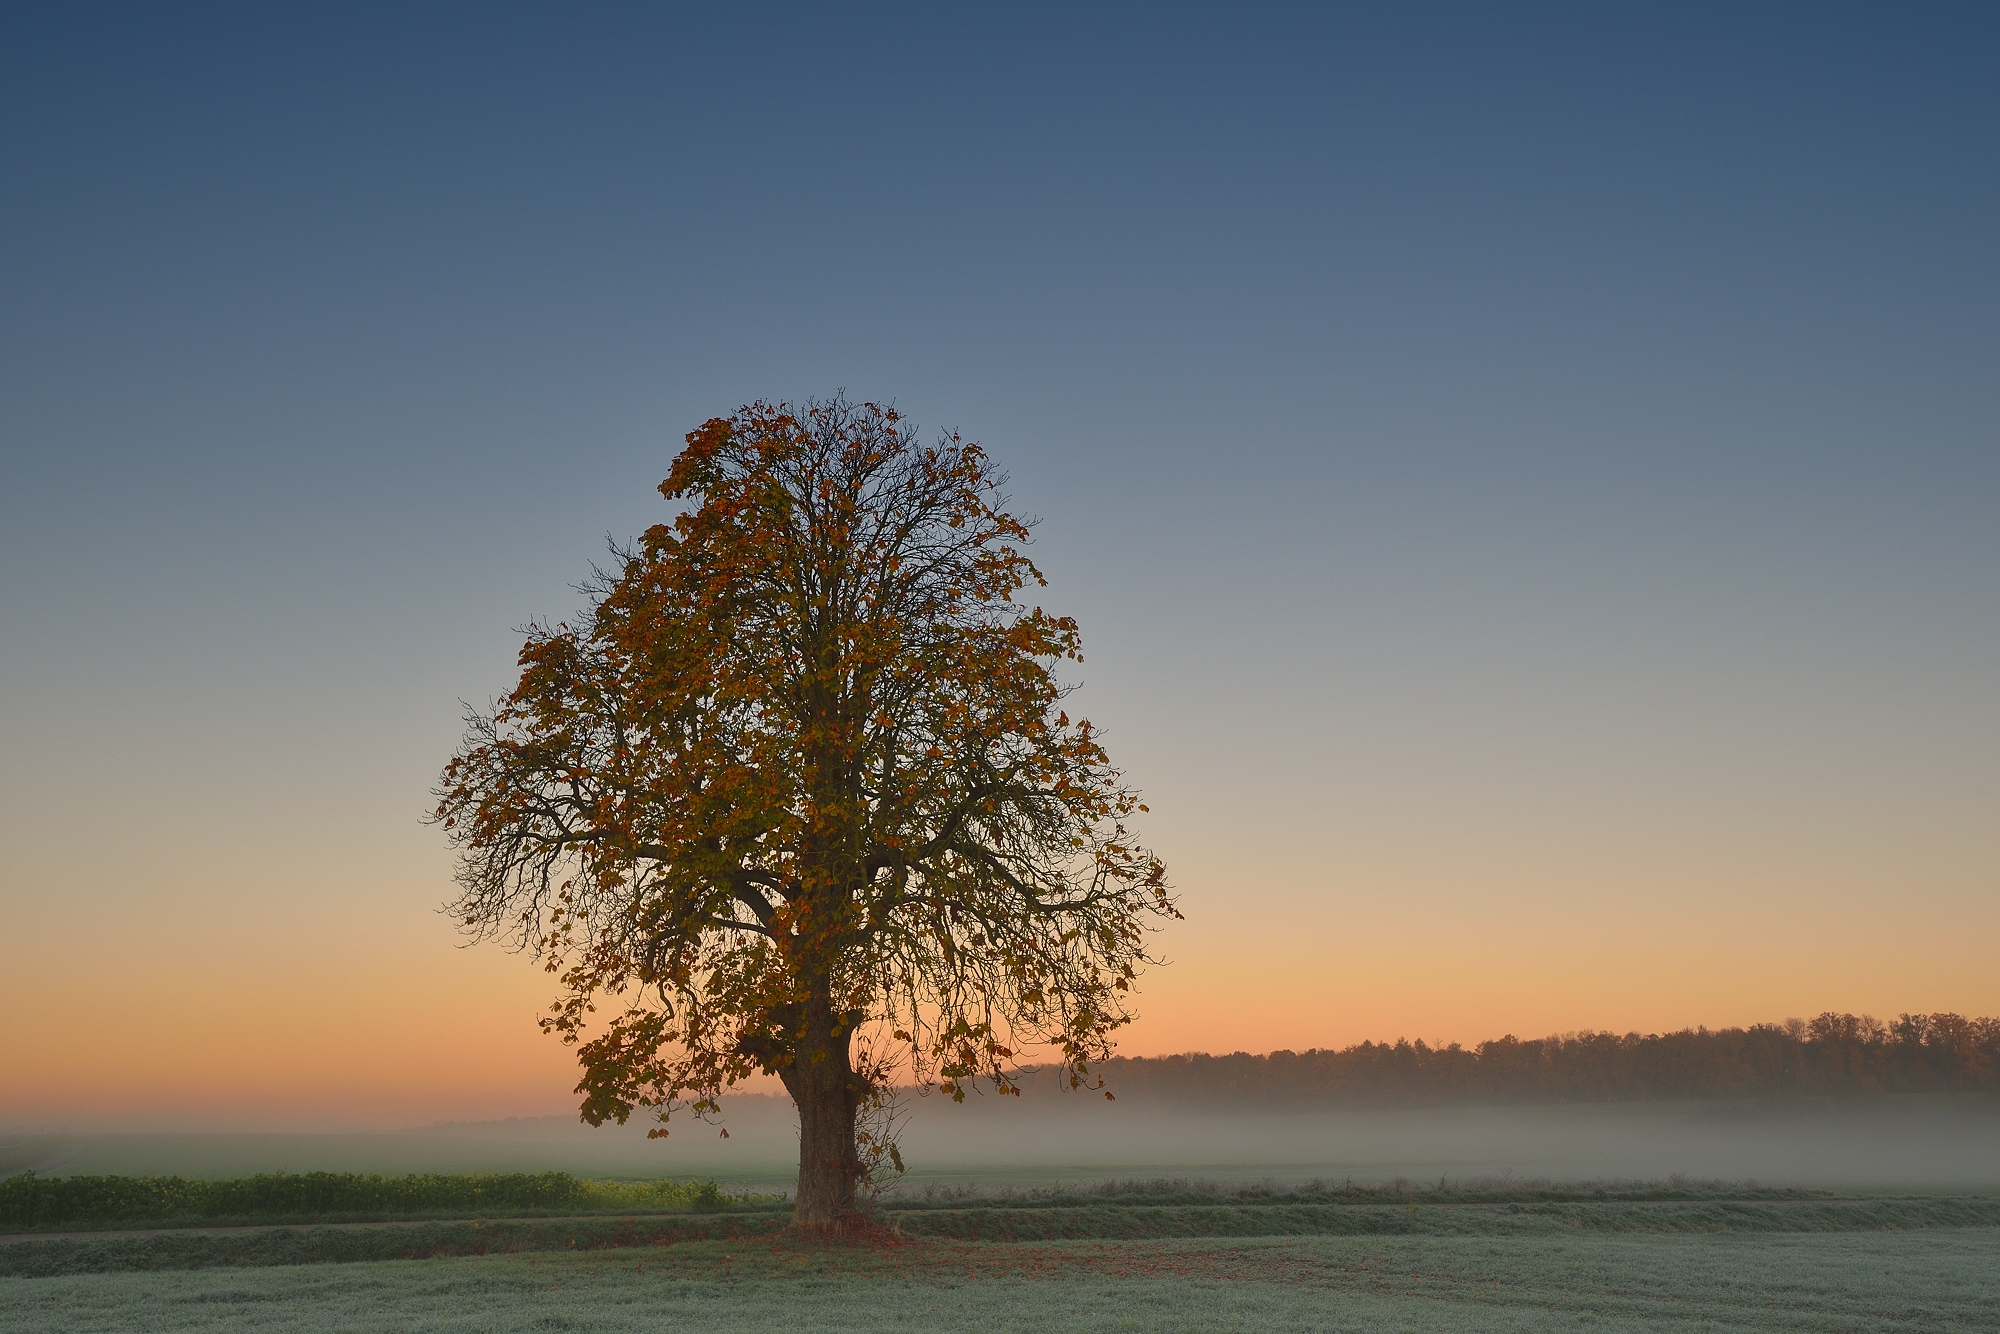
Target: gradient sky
{"type": "Point", "coordinates": [1527, 477]}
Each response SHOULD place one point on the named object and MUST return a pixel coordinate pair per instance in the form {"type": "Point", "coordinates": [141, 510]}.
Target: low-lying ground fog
{"type": "Point", "coordinates": [1899, 1231]}
{"type": "Point", "coordinates": [1886, 1141]}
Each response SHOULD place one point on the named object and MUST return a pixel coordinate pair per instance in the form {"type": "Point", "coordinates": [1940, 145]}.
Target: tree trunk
{"type": "Point", "coordinates": [823, 1084]}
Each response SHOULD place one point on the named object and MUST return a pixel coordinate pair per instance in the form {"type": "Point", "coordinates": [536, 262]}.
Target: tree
{"type": "Point", "coordinates": [798, 795]}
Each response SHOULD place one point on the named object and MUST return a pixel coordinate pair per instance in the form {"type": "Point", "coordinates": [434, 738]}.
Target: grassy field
{"type": "Point", "coordinates": [1939, 1280]}
{"type": "Point", "coordinates": [1125, 1256]}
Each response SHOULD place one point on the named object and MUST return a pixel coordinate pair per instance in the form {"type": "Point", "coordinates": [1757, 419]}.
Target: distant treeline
{"type": "Point", "coordinates": [1833, 1055]}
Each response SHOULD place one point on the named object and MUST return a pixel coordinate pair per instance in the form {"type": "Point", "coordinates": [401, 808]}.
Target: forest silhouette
{"type": "Point", "coordinates": [1834, 1055]}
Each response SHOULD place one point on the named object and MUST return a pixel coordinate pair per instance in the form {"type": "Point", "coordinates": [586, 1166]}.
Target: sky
{"type": "Point", "coordinates": [1526, 477]}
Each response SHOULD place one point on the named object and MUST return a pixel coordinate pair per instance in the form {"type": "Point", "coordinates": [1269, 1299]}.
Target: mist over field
{"type": "Point", "coordinates": [1918, 1141]}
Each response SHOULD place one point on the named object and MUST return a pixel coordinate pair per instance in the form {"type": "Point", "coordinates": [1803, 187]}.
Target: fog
{"type": "Point", "coordinates": [1883, 1142]}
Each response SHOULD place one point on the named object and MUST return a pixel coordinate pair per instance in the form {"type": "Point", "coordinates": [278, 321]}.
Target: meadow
{"type": "Point", "coordinates": [1162, 1255]}
{"type": "Point", "coordinates": [1892, 1281]}
{"type": "Point", "coordinates": [1549, 1218]}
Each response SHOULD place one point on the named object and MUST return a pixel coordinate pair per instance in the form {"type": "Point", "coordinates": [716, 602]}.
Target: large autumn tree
{"type": "Point", "coordinates": [798, 795]}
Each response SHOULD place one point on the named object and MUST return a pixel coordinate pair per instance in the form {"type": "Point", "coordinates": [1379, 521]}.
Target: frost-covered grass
{"type": "Point", "coordinates": [1934, 1280]}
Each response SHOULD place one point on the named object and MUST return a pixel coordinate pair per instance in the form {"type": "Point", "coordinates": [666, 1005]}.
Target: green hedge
{"type": "Point", "coordinates": [31, 1201]}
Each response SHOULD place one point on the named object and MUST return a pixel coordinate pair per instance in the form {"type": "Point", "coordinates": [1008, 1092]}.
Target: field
{"type": "Point", "coordinates": [1159, 1256]}
{"type": "Point", "coordinates": [1868, 1282]}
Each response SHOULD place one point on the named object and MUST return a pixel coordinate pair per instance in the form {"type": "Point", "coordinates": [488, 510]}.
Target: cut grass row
{"type": "Point", "coordinates": [1137, 1221]}
{"type": "Point", "coordinates": [1164, 1191]}
{"type": "Point", "coordinates": [262, 1247]}
{"type": "Point", "coordinates": [319, 1245]}
{"type": "Point", "coordinates": [31, 1203]}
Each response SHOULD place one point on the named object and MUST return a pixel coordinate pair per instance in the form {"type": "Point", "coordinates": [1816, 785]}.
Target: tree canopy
{"type": "Point", "coordinates": [798, 794]}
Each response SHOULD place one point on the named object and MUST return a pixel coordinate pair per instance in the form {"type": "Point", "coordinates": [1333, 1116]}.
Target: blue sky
{"type": "Point", "coordinates": [1525, 475]}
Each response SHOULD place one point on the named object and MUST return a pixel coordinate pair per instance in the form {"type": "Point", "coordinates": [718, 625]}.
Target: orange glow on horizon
{"type": "Point", "coordinates": [390, 1032]}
